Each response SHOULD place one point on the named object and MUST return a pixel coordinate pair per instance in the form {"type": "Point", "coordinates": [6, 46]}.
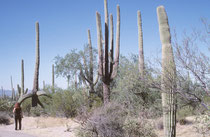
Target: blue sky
{"type": "Point", "coordinates": [64, 24]}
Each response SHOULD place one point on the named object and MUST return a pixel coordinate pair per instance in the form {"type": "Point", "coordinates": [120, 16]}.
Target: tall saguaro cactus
{"type": "Point", "coordinates": [141, 52]}
{"type": "Point", "coordinates": [35, 93]}
{"type": "Point", "coordinates": [168, 78]}
{"type": "Point", "coordinates": [21, 90]}
{"type": "Point", "coordinates": [53, 79]}
{"type": "Point", "coordinates": [107, 64]}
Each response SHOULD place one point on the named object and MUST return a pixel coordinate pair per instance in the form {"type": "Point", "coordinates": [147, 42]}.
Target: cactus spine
{"type": "Point", "coordinates": [141, 52]}
{"type": "Point", "coordinates": [107, 67]}
{"type": "Point", "coordinates": [168, 78]}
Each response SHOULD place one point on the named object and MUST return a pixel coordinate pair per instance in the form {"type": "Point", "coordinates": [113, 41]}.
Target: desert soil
{"type": "Point", "coordinates": [57, 127]}
{"type": "Point", "coordinates": [41, 127]}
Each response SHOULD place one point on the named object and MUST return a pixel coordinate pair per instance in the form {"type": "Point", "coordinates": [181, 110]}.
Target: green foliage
{"type": "Point", "coordinates": [67, 65]}
{"type": "Point", "coordinates": [128, 89]}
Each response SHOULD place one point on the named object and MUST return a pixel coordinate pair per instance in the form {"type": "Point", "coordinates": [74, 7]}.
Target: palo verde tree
{"type": "Point", "coordinates": [87, 67]}
{"type": "Point", "coordinates": [168, 78]}
{"type": "Point", "coordinates": [67, 66]}
{"type": "Point", "coordinates": [108, 65]}
{"type": "Point", "coordinates": [21, 90]}
{"type": "Point", "coordinates": [35, 91]}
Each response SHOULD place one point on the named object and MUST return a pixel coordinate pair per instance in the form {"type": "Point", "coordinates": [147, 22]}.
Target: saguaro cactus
{"type": "Point", "coordinates": [141, 52]}
{"type": "Point", "coordinates": [53, 79]}
{"type": "Point", "coordinates": [21, 90]}
{"type": "Point", "coordinates": [88, 75]}
{"type": "Point", "coordinates": [35, 93]}
{"type": "Point", "coordinates": [3, 94]}
{"type": "Point", "coordinates": [107, 64]}
{"type": "Point", "coordinates": [168, 78]}
{"type": "Point", "coordinates": [13, 90]}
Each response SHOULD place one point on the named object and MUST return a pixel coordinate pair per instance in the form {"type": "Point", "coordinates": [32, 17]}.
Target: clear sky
{"type": "Point", "coordinates": [64, 24]}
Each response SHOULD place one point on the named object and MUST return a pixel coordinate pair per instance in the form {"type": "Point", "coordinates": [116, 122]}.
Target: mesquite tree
{"type": "Point", "coordinates": [35, 91]}
{"type": "Point", "coordinates": [88, 74]}
{"type": "Point", "coordinates": [141, 52]}
{"type": "Point", "coordinates": [168, 78]}
{"type": "Point", "coordinates": [108, 65]}
{"type": "Point", "coordinates": [21, 90]}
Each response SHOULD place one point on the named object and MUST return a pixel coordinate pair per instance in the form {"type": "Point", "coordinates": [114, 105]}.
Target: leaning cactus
{"type": "Point", "coordinates": [168, 78]}
{"type": "Point", "coordinates": [35, 91]}
{"type": "Point", "coordinates": [107, 64]}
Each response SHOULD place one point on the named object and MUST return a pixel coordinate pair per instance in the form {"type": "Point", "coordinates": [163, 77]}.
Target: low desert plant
{"type": "Point", "coordinates": [114, 120]}
{"type": "Point", "coordinates": [4, 118]}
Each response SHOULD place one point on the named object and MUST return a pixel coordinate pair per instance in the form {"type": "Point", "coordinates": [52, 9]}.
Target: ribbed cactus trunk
{"type": "Point", "coordinates": [22, 78]}
{"type": "Point", "coordinates": [36, 73]}
{"type": "Point", "coordinates": [107, 64]}
{"type": "Point", "coordinates": [2, 92]}
{"type": "Point", "coordinates": [53, 79]}
{"type": "Point", "coordinates": [13, 90]}
{"type": "Point", "coordinates": [168, 78]}
{"type": "Point", "coordinates": [88, 75]}
{"type": "Point", "coordinates": [43, 85]}
{"type": "Point", "coordinates": [35, 93]}
{"type": "Point", "coordinates": [141, 52]}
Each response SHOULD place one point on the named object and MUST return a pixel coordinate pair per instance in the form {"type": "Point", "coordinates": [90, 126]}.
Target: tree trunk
{"type": "Point", "coordinates": [106, 92]}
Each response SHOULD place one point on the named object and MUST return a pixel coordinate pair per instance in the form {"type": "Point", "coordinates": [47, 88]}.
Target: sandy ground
{"type": "Point", "coordinates": [187, 130]}
{"type": "Point", "coordinates": [57, 127]}
{"type": "Point", "coordinates": [41, 127]}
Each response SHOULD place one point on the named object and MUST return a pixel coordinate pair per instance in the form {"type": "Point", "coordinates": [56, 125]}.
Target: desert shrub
{"type": "Point", "coordinates": [138, 127]}
{"type": "Point", "coordinates": [4, 118]}
{"type": "Point", "coordinates": [159, 124]}
{"type": "Point", "coordinates": [67, 103]}
{"type": "Point", "coordinates": [7, 105]}
{"type": "Point", "coordinates": [203, 125]}
{"type": "Point", "coordinates": [26, 107]}
{"type": "Point", "coordinates": [113, 120]}
{"type": "Point", "coordinates": [183, 121]}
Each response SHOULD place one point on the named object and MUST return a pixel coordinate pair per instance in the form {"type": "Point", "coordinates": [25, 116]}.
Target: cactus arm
{"type": "Point", "coordinates": [24, 97]}
{"type": "Point", "coordinates": [117, 50]}
{"type": "Point", "coordinates": [42, 93]}
{"type": "Point", "coordinates": [99, 41]}
{"type": "Point", "coordinates": [40, 103]}
{"type": "Point", "coordinates": [111, 44]}
{"type": "Point", "coordinates": [106, 46]}
{"type": "Point", "coordinates": [26, 91]}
